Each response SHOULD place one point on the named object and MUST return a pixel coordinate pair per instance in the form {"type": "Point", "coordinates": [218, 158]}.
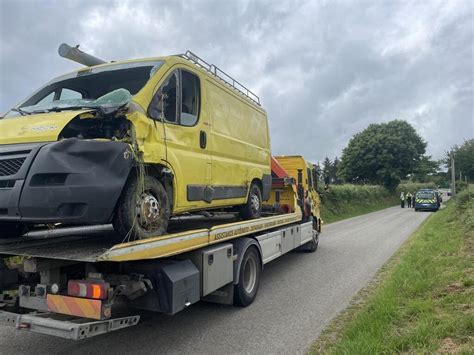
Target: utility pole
{"type": "Point", "coordinates": [453, 177]}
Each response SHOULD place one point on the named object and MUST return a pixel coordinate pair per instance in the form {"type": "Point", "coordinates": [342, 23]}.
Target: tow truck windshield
{"type": "Point", "coordinates": [110, 85]}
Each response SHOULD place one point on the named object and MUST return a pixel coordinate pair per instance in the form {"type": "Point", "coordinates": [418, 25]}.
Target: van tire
{"type": "Point", "coordinates": [245, 291]}
{"type": "Point", "coordinates": [253, 208]}
{"type": "Point", "coordinates": [12, 230]}
{"type": "Point", "coordinates": [144, 216]}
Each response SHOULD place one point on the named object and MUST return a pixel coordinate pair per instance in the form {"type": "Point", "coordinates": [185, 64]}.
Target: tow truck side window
{"type": "Point", "coordinates": [315, 179]}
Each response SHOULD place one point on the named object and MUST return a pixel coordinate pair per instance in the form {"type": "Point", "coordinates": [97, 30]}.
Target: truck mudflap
{"type": "Point", "coordinates": [72, 328]}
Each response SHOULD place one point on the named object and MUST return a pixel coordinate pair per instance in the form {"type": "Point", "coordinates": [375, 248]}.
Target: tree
{"type": "Point", "coordinates": [463, 159]}
{"type": "Point", "coordinates": [326, 173]}
{"type": "Point", "coordinates": [382, 154]}
{"type": "Point", "coordinates": [426, 168]}
{"type": "Point", "coordinates": [335, 165]}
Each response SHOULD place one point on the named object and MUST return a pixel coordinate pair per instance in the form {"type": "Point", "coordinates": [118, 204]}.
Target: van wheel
{"type": "Point", "coordinates": [142, 212]}
{"type": "Point", "coordinates": [245, 291]}
{"type": "Point", "coordinates": [253, 208]}
{"type": "Point", "coordinates": [12, 230]}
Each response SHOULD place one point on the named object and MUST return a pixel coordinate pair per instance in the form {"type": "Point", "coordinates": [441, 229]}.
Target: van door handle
{"type": "Point", "coordinates": [202, 139]}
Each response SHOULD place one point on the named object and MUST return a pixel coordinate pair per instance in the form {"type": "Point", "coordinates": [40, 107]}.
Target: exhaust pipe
{"type": "Point", "coordinates": [76, 55]}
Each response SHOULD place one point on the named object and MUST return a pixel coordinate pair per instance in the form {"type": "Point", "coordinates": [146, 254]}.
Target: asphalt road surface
{"type": "Point", "coordinates": [299, 294]}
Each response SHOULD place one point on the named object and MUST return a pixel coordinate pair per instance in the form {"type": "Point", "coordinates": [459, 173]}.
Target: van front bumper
{"type": "Point", "coordinates": [70, 181]}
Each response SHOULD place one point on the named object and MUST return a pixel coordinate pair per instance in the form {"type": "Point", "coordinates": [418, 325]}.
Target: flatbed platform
{"type": "Point", "coordinates": [100, 243]}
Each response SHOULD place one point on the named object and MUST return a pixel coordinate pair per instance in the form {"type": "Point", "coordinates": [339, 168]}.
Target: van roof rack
{"type": "Point", "coordinates": [214, 70]}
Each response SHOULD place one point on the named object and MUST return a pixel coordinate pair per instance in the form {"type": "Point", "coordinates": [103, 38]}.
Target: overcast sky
{"type": "Point", "coordinates": [324, 70]}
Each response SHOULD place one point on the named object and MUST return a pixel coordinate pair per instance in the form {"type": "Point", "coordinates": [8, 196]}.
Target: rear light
{"type": "Point", "coordinates": [86, 289]}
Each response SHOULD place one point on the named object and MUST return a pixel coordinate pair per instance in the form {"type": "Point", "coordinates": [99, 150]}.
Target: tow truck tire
{"type": "Point", "coordinates": [144, 216]}
{"type": "Point", "coordinates": [312, 246]}
{"type": "Point", "coordinates": [246, 290]}
{"type": "Point", "coordinates": [253, 208]}
{"type": "Point", "coordinates": [12, 230]}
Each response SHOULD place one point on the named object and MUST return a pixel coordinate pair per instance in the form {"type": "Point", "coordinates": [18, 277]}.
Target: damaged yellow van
{"type": "Point", "coordinates": [133, 143]}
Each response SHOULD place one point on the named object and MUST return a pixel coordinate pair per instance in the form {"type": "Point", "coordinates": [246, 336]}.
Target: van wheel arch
{"type": "Point", "coordinates": [166, 177]}
{"type": "Point", "coordinates": [252, 209]}
{"type": "Point", "coordinates": [258, 182]}
{"type": "Point", "coordinates": [157, 171]}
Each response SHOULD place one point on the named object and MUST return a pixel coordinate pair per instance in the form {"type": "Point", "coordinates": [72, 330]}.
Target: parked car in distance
{"type": "Point", "coordinates": [426, 200]}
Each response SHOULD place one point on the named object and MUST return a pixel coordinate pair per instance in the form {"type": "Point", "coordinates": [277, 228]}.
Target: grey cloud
{"type": "Point", "coordinates": [324, 70]}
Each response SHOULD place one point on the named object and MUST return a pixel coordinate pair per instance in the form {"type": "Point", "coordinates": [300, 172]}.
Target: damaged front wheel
{"type": "Point", "coordinates": [143, 210]}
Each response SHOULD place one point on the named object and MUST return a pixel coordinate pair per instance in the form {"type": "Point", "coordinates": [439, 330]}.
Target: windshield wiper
{"type": "Point", "coordinates": [59, 109]}
{"type": "Point", "coordinates": [20, 111]}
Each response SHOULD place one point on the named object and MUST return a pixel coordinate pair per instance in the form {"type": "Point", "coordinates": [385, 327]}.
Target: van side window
{"type": "Point", "coordinates": [168, 91]}
{"type": "Point", "coordinates": [189, 98]}
{"type": "Point", "coordinates": [164, 103]}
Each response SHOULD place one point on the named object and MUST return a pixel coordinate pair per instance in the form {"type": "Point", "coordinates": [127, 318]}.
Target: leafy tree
{"type": "Point", "coordinates": [426, 168]}
{"type": "Point", "coordinates": [463, 159]}
{"type": "Point", "coordinates": [382, 154]}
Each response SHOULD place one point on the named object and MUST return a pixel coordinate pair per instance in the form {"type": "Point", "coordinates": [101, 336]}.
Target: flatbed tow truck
{"type": "Point", "coordinates": [80, 282]}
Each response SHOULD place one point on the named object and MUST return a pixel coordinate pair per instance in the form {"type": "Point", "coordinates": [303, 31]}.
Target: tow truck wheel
{"type": "Point", "coordinates": [142, 212]}
{"type": "Point", "coordinates": [253, 208]}
{"type": "Point", "coordinates": [12, 230]}
{"type": "Point", "coordinates": [245, 291]}
{"type": "Point", "coordinates": [312, 245]}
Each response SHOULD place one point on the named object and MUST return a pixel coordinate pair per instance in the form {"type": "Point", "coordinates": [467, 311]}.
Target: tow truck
{"type": "Point", "coordinates": [80, 282]}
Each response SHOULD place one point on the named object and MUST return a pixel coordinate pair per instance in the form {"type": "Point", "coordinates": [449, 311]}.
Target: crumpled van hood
{"type": "Point", "coordinates": [41, 127]}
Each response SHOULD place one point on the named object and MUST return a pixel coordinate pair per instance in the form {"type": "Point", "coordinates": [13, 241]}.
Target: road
{"type": "Point", "coordinates": [299, 294]}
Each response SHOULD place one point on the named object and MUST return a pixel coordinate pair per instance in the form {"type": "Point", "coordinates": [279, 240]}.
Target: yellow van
{"type": "Point", "coordinates": [133, 143]}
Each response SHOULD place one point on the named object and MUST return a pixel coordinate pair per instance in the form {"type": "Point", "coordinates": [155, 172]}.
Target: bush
{"type": "Point", "coordinates": [461, 186]}
{"type": "Point", "coordinates": [464, 204]}
{"type": "Point", "coordinates": [344, 201]}
{"type": "Point", "coordinates": [412, 187]}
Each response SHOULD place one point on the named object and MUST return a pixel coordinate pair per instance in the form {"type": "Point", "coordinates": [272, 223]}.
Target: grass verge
{"type": "Point", "coordinates": [422, 300]}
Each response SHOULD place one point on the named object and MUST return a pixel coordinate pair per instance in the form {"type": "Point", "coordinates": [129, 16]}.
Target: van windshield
{"type": "Point", "coordinates": [111, 85]}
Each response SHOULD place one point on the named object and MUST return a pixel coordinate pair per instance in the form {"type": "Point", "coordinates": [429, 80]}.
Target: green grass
{"type": "Point", "coordinates": [346, 201]}
{"type": "Point", "coordinates": [422, 300]}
